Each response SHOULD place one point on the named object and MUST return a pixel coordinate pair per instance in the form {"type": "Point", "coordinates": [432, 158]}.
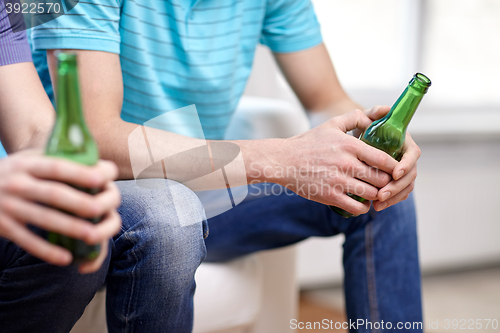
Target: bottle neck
{"type": "Point", "coordinates": [403, 110]}
{"type": "Point", "coordinates": [69, 109]}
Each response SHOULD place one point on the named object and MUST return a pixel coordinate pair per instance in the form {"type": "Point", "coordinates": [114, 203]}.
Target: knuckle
{"type": "Point", "coordinates": [43, 218]}
{"type": "Point", "coordinates": [57, 169]}
{"type": "Point", "coordinates": [18, 164]}
{"type": "Point", "coordinates": [358, 113]}
{"type": "Point", "coordinates": [4, 227]}
{"type": "Point", "coordinates": [117, 224]}
{"type": "Point", "coordinates": [118, 200]}
{"type": "Point", "coordinates": [345, 167]}
{"type": "Point", "coordinates": [418, 151]}
{"type": "Point", "coordinates": [11, 184]}
{"type": "Point", "coordinates": [89, 207]}
{"type": "Point", "coordinates": [53, 194]}
{"type": "Point", "coordinates": [336, 179]}
{"type": "Point", "coordinates": [49, 217]}
{"type": "Point", "coordinates": [50, 255]}
{"type": "Point", "coordinates": [371, 194]}
{"type": "Point", "coordinates": [361, 210]}
{"type": "Point", "coordinates": [413, 174]}
{"type": "Point", "coordinates": [384, 178]}
{"type": "Point", "coordinates": [333, 198]}
{"type": "Point", "coordinates": [350, 145]}
{"type": "Point", "coordinates": [381, 159]}
{"type": "Point", "coordinates": [4, 184]}
{"type": "Point", "coordinates": [411, 186]}
{"type": "Point", "coordinates": [8, 205]}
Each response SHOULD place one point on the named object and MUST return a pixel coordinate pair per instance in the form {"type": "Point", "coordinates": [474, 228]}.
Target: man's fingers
{"type": "Point", "coordinates": [54, 194]}
{"type": "Point", "coordinates": [68, 172]}
{"type": "Point", "coordinates": [108, 169]}
{"type": "Point", "coordinates": [408, 161]}
{"type": "Point", "coordinates": [34, 244]}
{"type": "Point", "coordinates": [373, 176]}
{"type": "Point", "coordinates": [339, 197]}
{"type": "Point", "coordinates": [47, 218]}
{"type": "Point", "coordinates": [108, 199]}
{"type": "Point", "coordinates": [377, 112]}
{"type": "Point", "coordinates": [396, 186]}
{"type": "Point", "coordinates": [106, 229]}
{"type": "Point", "coordinates": [62, 196]}
{"type": "Point", "coordinates": [94, 265]}
{"type": "Point", "coordinates": [375, 157]}
{"type": "Point", "coordinates": [361, 189]}
{"type": "Point", "coordinates": [352, 120]}
{"type": "Point", "coordinates": [351, 205]}
{"type": "Point", "coordinates": [403, 195]}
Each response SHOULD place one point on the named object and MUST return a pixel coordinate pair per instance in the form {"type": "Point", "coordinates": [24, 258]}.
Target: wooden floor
{"type": "Point", "coordinates": [467, 294]}
{"type": "Point", "coordinates": [311, 311]}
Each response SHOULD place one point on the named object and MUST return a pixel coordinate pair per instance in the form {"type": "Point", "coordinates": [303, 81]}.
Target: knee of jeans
{"type": "Point", "coordinates": [400, 218]}
{"type": "Point", "coordinates": [165, 220]}
{"type": "Point", "coordinates": [165, 199]}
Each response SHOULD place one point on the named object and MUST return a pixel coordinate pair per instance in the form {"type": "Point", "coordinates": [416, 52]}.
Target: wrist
{"type": "Point", "coordinates": [264, 159]}
{"type": "Point", "coordinates": [335, 108]}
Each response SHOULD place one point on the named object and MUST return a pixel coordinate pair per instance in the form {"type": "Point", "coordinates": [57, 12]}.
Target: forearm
{"type": "Point", "coordinates": [26, 114]}
{"type": "Point", "coordinates": [145, 152]}
{"type": "Point", "coordinates": [312, 76]}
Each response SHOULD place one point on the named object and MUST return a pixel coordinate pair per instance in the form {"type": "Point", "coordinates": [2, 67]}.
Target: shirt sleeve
{"type": "Point", "coordinates": [90, 25]}
{"type": "Point", "coordinates": [290, 26]}
{"type": "Point", "coordinates": [14, 47]}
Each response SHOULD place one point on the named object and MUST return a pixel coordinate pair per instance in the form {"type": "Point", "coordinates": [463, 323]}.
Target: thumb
{"type": "Point", "coordinates": [377, 112]}
{"type": "Point", "coordinates": [352, 120]}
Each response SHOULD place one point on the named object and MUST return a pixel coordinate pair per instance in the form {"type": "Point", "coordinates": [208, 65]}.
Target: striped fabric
{"type": "Point", "coordinates": [3, 153]}
{"type": "Point", "coordinates": [181, 52]}
{"type": "Point", "coordinates": [14, 47]}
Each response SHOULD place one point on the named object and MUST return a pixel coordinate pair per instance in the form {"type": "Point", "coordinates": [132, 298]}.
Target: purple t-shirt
{"type": "Point", "coordinates": [14, 46]}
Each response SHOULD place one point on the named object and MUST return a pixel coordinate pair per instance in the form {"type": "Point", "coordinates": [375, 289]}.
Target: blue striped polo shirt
{"type": "Point", "coordinates": [176, 53]}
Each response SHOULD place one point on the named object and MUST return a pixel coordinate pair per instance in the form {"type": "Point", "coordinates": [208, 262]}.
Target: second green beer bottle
{"type": "Point", "coordinates": [388, 133]}
{"type": "Point", "coordinates": [71, 139]}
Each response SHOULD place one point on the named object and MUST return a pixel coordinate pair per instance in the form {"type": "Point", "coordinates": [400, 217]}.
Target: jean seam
{"type": "Point", "coordinates": [370, 273]}
{"type": "Point", "coordinates": [128, 329]}
{"type": "Point", "coordinates": [19, 249]}
{"type": "Point", "coordinates": [131, 297]}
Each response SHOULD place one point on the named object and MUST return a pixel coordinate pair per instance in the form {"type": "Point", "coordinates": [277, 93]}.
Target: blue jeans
{"type": "Point", "coordinates": [151, 266]}
{"type": "Point", "coordinates": [381, 267]}
{"type": "Point", "coordinates": [149, 272]}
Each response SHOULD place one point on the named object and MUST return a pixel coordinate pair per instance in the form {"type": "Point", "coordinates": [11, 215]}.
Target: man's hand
{"type": "Point", "coordinates": [312, 76]}
{"type": "Point", "coordinates": [324, 164]}
{"type": "Point", "coordinates": [404, 173]}
{"type": "Point", "coordinates": [27, 179]}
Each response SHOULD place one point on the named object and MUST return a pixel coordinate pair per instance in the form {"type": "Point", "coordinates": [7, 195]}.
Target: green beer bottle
{"type": "Point", "coordinates": [71, 139]}
{"type": "Point", "coordinates": [388, 133]}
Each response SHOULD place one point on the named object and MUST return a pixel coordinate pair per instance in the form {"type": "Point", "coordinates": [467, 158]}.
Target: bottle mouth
{"type": "Point", "coordinates": [421, 78]}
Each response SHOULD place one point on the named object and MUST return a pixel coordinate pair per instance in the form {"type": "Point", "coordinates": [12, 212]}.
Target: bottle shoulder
{"type": "Point", "coordinates": [84, 152]}
{"type": "Point", "coordinates": [386, 137]}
